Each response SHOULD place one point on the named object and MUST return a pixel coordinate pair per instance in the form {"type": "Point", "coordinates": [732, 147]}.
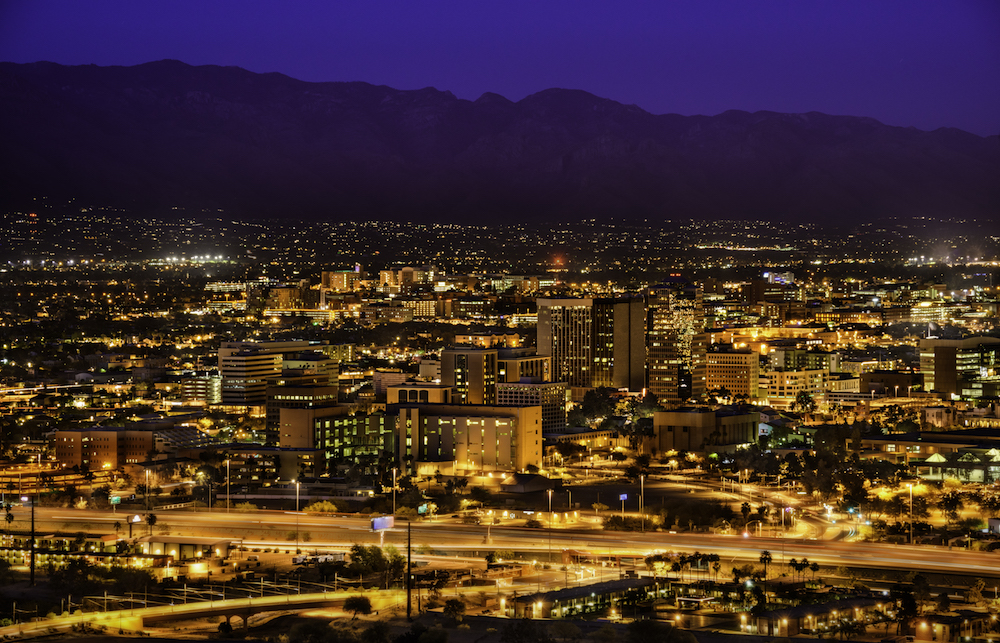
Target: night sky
{"type": "Point", "coordinates": [912, 63]}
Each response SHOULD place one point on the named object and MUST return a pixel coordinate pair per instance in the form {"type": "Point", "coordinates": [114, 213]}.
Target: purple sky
{"type": "Point", "coordinates": [916, 62]}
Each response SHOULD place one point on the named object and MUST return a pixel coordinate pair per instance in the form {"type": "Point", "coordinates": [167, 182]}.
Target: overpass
{"type": "Point", "coordinates": [243, 608]}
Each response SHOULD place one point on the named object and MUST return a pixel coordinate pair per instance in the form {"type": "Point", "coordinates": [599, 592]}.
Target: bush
{"type": "Point", "coordinates": [246, 507]}
{"type": "Point", "coordinates": [358, 605]}
{"type": "Point", "coordinates": [617, 523]}
{"type": "Point", "coordinates": [533, 524]}
{"type": "Point", "coordinates": [454, 609]}
{"type": "Point", "coordinates": [322, 507]}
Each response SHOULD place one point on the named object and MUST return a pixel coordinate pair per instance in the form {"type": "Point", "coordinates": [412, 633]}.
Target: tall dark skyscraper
{"type": "Point", "coordinates": [674, 316]}
{"type": "Point", "coordinates": [594, 341]}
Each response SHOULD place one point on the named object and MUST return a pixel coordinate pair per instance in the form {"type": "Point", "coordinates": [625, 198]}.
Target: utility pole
{"type": "Point", "coordinates": [409, 571]}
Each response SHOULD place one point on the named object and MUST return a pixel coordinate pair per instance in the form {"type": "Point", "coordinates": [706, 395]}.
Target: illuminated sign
{"type": "Point", "coordinates": [383, 522]}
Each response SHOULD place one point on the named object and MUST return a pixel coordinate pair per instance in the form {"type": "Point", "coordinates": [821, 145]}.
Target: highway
{"type": "Point", "coordinates": [271, 529]}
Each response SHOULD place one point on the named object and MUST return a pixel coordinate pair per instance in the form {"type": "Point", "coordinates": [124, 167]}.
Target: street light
{"type": "Point", "coordinates": [228, 489]}
{"type": "Point", "coordinates": [394, 470]}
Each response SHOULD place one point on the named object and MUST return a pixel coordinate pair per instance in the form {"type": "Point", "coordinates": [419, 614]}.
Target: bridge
{"type": "Point", "coordinates": [242, 608]}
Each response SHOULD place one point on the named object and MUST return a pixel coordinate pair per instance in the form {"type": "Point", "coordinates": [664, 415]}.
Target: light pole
{"type": "Point", "coordinates": [147, 491]}
{"type": "Point", "coordinates": [297, 484]}
{"type": "Point", "coordinates": [394, 471]}
{"type": "Point", "coordinates": [228, 488]}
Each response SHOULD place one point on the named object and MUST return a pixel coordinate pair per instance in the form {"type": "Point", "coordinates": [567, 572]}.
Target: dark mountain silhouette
{"type": "Point", "coordinates": [167, 134]}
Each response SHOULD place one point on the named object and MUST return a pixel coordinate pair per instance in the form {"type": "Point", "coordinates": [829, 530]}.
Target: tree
{"type": "Point", "coordinates": [599, 507]}
{"type": "Point", "coordinates": [454, 608]}
{"type": "Point", "coordinates": [950, 504]}
{"type": "Point", "coordinates": [765, 559]}
{"type": "Point", "coordinates": [151, 522]}
{"type": "Point", "coordinates": [357, 605]}
{"type": "Point", "coordinates": [804, 402]}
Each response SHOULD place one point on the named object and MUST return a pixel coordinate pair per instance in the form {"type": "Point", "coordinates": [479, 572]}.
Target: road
{"type": "Point", "coordinates": [136, 619]}
{"type": "Point", "coordinates": [271, 529]}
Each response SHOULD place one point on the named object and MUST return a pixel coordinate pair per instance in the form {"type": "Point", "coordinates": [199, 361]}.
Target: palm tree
{"type": "Point", "coordinates": [765, 558]}
{"type": "Point", "coordinates": [151, 522]}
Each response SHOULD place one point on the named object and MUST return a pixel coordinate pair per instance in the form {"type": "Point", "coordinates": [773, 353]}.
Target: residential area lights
{"type": "Point", "coordinates": [387, 334]}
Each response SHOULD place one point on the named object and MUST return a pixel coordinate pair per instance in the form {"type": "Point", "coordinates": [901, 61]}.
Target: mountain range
{"type": "Point", "coordinates": [165, 135]}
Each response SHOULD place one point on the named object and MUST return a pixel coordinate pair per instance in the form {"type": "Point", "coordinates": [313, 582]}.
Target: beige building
{"type": "Point", "coordinates": [469, 437]}
{"type": "Point", "coordinates": [702, 429]}
{"type": "Point", "coordinates": [472, 372]}
{"type": "Point", "coordinates": [420, 393]}
{"type": "Point", "coordinates": [296, 426]}
{"type": "Point", "coordinates": [297, 396]}
{"type": "Point", "coordinates": [736, 370]}
{"type": "Point", "coordinates": [245, 368]}
{"type": "Point", "coordinates": [780, 388]}
{"type": "Point", "coordinates": [102, 448]}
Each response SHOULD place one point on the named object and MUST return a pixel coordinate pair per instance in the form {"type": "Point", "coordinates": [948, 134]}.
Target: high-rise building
{"type": "Point", "coordinates": [674, 317]}
{"type": "Point", "coordinates": [968, 367]}
{"type": "Point", "coordinates": [246, 367]}
{"type": "Point", "coordinates": [551, 396]}
{"type": "Point", "coordinates": [732, 369]}
{"type": "Point", "coordinates": [594, 342]}
{"type": "Point", "coordinates": [472, 372]}
{"type": "Point", "coordinates": [295, 396]}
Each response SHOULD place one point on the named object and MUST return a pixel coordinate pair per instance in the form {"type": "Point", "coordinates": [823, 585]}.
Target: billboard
{"type": "Point", "coordinates": [383, 522]}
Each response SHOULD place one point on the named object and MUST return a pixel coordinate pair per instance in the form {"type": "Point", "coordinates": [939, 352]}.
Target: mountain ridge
{"type": "Point", "coordinates": [164, 134]}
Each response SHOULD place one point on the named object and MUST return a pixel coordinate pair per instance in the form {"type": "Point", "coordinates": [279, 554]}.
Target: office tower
{"type": "Point", "coordinates": [734, 370]}
{"type": "Point", "coordinates": [245, 375]}
{"type": "Point", "coordinates": [594, 342]}
{"type": "Point", "coordinates": [550, 396]}
{"type": "Point", "coordinates": [295, 395]}
{"type": "Point", "coordinates": [519, 364]}
{"type": "Point", "coordinates": [674, 317]}
{"type": "Point", "coordinates": [467, 438]}
{"type": "Point", "coordinates": [246, 367]}
{"type": "Point", "coordinates": [472, 372]}
{"type": "Point", "coordinates": [968, 367]}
